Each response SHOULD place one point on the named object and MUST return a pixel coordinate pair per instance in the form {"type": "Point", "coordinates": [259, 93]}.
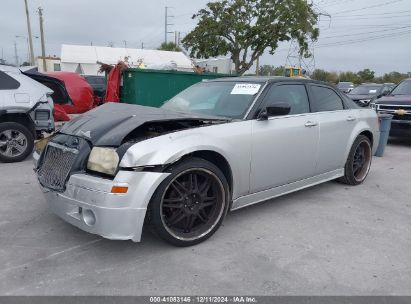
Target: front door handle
{"type": "Point", "coordinates": [310, 124]}
{"type": "Point", "coordinates": [351, 118]}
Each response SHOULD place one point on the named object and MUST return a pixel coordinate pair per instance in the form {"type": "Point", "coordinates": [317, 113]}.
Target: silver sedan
{"type": "Point", "coordinates": [217, 146]}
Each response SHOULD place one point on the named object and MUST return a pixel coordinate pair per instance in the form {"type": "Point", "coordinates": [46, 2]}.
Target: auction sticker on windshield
{"type": "Point", "coordinates": [245, 89]}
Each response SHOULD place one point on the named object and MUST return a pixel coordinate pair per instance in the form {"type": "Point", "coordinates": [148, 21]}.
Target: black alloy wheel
{"type": "Point", "coordinates": [359, 161]}
{"type": "Point", "coordinates": [189, 206]}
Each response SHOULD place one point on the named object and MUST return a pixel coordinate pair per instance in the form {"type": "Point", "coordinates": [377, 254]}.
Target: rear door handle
{"type": "Point", "coordinates": [351, 118]}
{"type": "Point", "coordinates": [310, 124]}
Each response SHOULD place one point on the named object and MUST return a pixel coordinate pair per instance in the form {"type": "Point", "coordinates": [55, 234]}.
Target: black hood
{"type": "Point", "coordinates": [358, 97]}
{"type": "Point", "coordinates": [110, 123]}
{"type": "Point", "coordinates": [398, 100]}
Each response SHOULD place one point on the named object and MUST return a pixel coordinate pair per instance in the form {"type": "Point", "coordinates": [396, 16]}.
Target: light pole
{"type": "Point", "coordinates": [30, 52]}
{"type": "Point", "coordinates": [29, 40]}
{"type": "Point", "coordinates": [43, 47]}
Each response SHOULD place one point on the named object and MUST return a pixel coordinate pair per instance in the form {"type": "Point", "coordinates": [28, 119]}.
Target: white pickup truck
{"type": "Point", "coordinates": [26, 111]}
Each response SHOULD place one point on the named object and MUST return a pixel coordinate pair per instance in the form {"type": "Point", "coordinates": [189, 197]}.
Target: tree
{"type": "Point", "coordinates": [169, 46]}
{"type": "Point", "coordinates": [246, 28]}
{"type": "Point", "coordinates": [366, 75]}
{"type": "Point", "coordinates": [349, 77]}
{"type": "Point", "coordinates": [270, 70]}
{"type": "Point", "coordinates": [326, 76]}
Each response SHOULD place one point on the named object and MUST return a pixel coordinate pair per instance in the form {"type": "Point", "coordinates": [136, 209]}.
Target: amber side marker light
{"type": "Point", "coordinates": [119, 189]}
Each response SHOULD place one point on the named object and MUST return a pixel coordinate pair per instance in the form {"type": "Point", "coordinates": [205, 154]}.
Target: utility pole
{"type": "Point", "coordinates": [166, 24]}
{"type": "Point", "coordinates": [30, 40]}
{"type": "Point", "coordinates": [125, 43]}
{"type": "Point", "coordinates": [43, 45]}
{"type": "Point", "coordinates": [142, 45]}
{"type": "Point", "coordinates": [16, 56]}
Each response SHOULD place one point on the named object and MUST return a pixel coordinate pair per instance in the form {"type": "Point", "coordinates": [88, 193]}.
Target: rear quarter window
{"type": "Point", "coordinates": [7, 82]}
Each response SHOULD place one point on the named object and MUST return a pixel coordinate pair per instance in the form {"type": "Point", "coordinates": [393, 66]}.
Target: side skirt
{"type": "Point", "coordinates": [257, 197]}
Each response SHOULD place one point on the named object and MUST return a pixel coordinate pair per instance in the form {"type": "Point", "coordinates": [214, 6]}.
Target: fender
{"type": "Point", "coordinates": [361, 126]}
{"type": "Point", "coordinates": [222, 139]}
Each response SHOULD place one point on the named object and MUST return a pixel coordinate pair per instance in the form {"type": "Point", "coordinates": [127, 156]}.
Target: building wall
{"type": "Point", "coordinates": [52, 64]}
{"type": "Point", "coordinates": [221, 66]}
{"type": "Point", "coordinates": [80, 68]}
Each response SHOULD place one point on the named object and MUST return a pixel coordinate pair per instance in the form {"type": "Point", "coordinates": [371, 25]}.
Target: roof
{"type": "Point", "coordinates": [267, 79]}
{"type": "Point", "coordinates": [111, 55]}
{"type": "Point", "coordinates": [8, 68]}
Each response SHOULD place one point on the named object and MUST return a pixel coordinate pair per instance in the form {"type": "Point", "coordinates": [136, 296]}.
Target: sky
{"type": "Point", "coordinates": [374, 34]}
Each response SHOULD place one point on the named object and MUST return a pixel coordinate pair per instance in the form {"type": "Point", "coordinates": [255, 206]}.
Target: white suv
{"type": "Point", "coordinates": [26, 110]}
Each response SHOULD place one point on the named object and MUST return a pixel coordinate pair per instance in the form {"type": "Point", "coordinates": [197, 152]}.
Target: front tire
{"type": "Point", "coordinates": [190, 204]}
{"type": "Point", "coordinates": [358, 163]}
{"type": "Point", "coordinates": [16, 142]}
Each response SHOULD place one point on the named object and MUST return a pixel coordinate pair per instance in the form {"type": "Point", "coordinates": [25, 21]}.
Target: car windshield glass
{"type": "Point", "coordinates": [365, 90]}
{"type": "Point", "coordinates": [404, 88]}
{"type": "Point", "coordinates": [227, 99]}
{"type": "Point", "coordinates": [343, 85]}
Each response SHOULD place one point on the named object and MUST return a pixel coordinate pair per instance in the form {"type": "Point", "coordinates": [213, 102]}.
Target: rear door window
{"type": "Point", "coordinates": [324, 99]}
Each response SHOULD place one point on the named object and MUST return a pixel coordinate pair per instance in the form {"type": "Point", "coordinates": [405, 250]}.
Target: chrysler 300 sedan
{"type": "Point", "coordinates": [217, 146]}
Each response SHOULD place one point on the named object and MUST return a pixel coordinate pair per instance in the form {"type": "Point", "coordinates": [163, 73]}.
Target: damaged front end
{"type": "Point", "coordinates": [80, 175]}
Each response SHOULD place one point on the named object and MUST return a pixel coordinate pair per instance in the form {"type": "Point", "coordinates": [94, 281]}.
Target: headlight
{"type": "Point", "coordinates": [103, 160]}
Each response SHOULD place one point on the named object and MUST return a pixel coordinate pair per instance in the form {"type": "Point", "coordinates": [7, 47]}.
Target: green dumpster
{"type": "Point", "coordinates": [154, 87]}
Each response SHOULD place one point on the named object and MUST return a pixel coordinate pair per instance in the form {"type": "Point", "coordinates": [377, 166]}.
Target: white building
{"type": "Point", "coordinates": [52, 64]}
{"type": "Point", "coordinates": [216, 65]}
{"type": "Point", "coordinates": [84, 59]}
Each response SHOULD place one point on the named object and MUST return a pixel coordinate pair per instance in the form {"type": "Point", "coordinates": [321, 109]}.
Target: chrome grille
{"type": "Point", "coordinates": [56, 165]}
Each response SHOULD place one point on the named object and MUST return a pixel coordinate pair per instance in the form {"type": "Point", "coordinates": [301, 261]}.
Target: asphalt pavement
{"type": "Point", "coordinates": [331, 239]}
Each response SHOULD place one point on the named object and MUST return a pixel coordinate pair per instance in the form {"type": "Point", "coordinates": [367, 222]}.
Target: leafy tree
{"type": "Point", "coordinates": [246, 28]}
{"type": "Point", "coordinates": [169, 46]}
{"type": "Point", "coordinates": [366, 75]}
{"type": "Point", "coordinates": [270, 70]}
{"type": "Point", "coordinates": [394, 77]}
{"type": "Point", "coordinates": [331, 77]}
{"type": "Point", "coordinates": [349, 77]}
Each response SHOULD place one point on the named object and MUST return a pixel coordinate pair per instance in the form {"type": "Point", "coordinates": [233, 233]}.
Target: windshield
{"type": "Point", "coordinates": [344, 85]}
{"type": "Point", "coordinates": [365, 90]}
{"type": "Point", "coordinates": [404, 88]}
{"type": "Point", "coordinates": [227, 99]}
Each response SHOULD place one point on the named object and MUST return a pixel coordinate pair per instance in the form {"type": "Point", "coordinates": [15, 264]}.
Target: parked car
{"type": "Point", "coordinates": [345, 87]}
{"type": "Point", "coordinates": [397, 103]}
{"type": "Point", "coordinates": [26, 110]}
{"type": "Point", "coordinates": [72, 93]}
{"type": "Point", "coordinates": [98, 83]}
{"type": "Point", "coordinates": [219, 145]}
{"type": "Point", "coordinates": [365, 93]}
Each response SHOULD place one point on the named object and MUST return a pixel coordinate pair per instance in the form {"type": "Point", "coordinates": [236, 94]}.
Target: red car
{"type": "Point", "coordinates": [72, 93]}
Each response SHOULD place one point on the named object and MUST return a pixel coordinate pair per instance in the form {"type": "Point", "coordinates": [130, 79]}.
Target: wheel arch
{"type": "Point", "coordinates": [218, 160]}
{"type": "Point", "coordinates": [21, 118]}
{"type": "Point", "coordinates": [369, 135]}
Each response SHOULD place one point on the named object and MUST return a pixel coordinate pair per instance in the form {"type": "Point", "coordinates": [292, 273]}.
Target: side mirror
{"type": "Point", "coordinates": [385, 93]}
{"type": "Point", "coordinates": [277, 109]}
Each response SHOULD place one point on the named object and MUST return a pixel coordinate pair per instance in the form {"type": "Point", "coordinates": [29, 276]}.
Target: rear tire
{"type": "Point", "coordinates": [358, 163]}
{"type": "Point", "coordinates": [190, 204]}
{"type": "Point", "coordinates": [16, 142]}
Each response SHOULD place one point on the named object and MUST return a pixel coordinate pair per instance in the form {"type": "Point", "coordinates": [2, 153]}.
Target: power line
{"type": "Point", "coordinates": [361, 40]}
{"type": "Point", "coordinates": [364, 33]}
{"type": "Point", "coordinates": [367, 7]}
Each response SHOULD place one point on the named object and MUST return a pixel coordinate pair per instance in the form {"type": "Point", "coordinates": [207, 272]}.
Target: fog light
{"type": "Point", "coordinates": [88, 217]}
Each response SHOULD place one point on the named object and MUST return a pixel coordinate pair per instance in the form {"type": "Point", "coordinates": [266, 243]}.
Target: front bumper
{"type": "Point", "coordinates": [400, 128]}
{"type": "Point", "coordinates": [88, 204]}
